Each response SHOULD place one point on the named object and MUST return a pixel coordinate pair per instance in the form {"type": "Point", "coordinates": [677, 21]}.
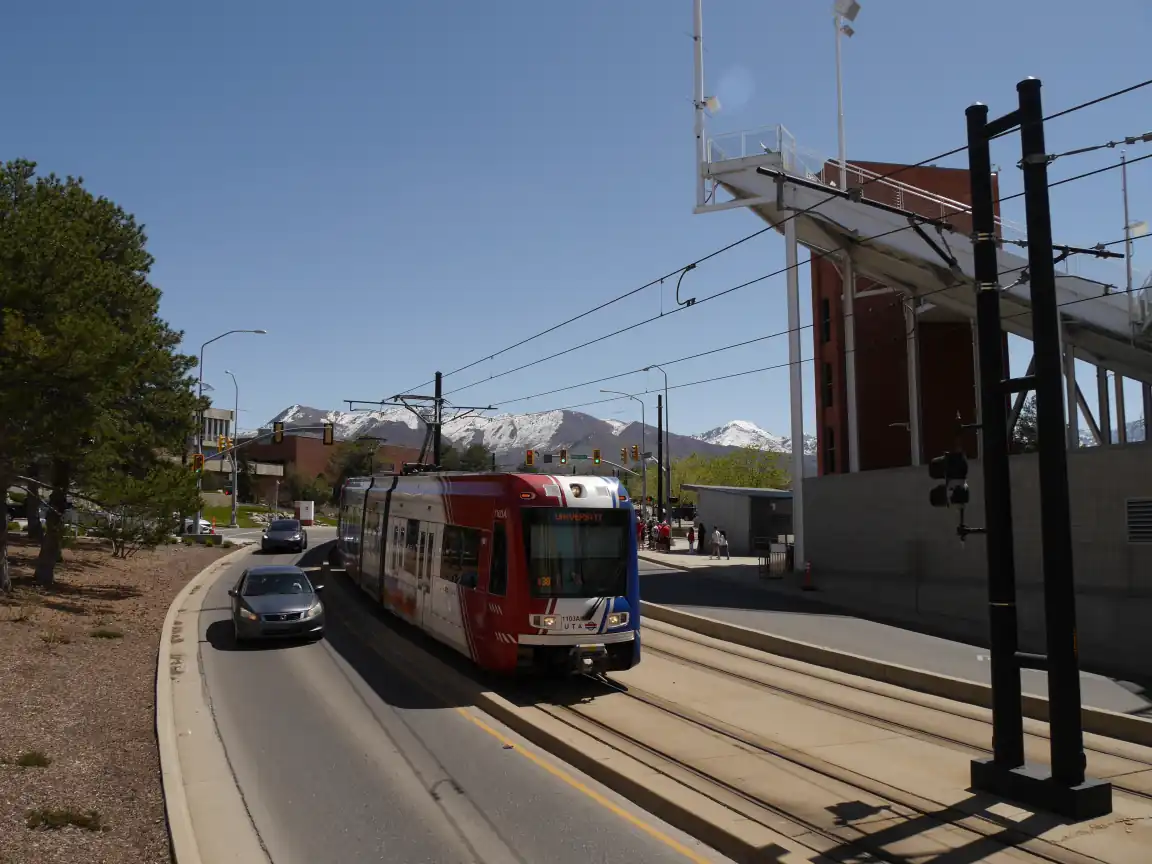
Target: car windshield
{"type": "Point", "coordinates": [575, 552]}
{"type": "Point", "coordinates": [284, 525]}
{"type": "Point", "coordinates": [260, 584]}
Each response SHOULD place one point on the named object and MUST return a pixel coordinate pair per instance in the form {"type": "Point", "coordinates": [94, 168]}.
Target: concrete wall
{"type": "Point", "coordinates": [730, 513]}
{"type": "Point", "coordinates": [877, 546]}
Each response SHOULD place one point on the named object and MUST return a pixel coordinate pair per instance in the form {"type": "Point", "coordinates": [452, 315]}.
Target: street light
{"type": "Point", "coordinates": [667, 503]}
{"type": "Point", "coordinates": [232, 456]}
{"type": "Point", "coordinates": [372, 455]}
{"type": "Point", "coordinates": [643, 447]}
{"type": "Point", "coordinates": [200, 397]}
{"type": "Point", "coordinates": [842, 10]}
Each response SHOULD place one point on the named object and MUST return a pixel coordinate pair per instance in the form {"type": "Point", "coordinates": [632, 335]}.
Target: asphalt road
{"type": "Point", "coordinates": [341, 757]}
{"type": "Point", "coordinates": [761, 608]}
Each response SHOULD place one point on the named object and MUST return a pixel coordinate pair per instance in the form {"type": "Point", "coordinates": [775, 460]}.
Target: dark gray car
{"type": "Point", "coordinates": [284, 534]}
{"type": "Point", "coordinates": [278, 601]}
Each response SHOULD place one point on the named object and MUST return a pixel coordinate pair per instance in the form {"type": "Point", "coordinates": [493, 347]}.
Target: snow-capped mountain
{"type": "Point", "coordinates": [508, 435]}
{"type": "Point", "coordinates": [743, 433]}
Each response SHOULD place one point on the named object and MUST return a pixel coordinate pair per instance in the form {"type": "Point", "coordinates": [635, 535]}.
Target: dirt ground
{"type": "Point", "coordinates": [79, 770]}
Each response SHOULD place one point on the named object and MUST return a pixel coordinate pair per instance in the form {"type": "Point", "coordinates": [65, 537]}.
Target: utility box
{"type": "Point", "coordinates": [305, 511]}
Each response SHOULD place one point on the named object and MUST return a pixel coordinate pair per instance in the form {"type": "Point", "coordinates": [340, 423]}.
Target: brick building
{"type": "Point", "coordinates": [309, 456]}
{"type": "Point", "coordinates": [944, 342]}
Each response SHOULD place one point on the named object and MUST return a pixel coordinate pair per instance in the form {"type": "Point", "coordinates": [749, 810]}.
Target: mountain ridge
{"type": "Point", "coordinates": [507, 434]}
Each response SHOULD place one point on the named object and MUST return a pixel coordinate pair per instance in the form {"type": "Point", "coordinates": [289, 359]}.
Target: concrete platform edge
{"type": "Point", "coordinates": [1110, 724]}
{"type": "Point", "coordinates": [181, 835]}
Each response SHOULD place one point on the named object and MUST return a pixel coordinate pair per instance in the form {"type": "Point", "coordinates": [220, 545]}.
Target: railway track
{"type": "Point", "coordinates": [875, 718]}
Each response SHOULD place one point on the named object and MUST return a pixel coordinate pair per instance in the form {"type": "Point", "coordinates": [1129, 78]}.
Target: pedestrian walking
{"type": "Point", "coordinates": [715, 544]}
{"type": "Point", "coordinates": [724, 546]}
{"type": "Point", "coordinates": [701, 539]}
{"type": "Point", "coordinates": [691, 539]}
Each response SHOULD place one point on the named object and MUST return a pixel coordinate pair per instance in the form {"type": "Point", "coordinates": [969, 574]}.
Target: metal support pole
{"type": "Point", "coordinates": [1007, 714]}
{"type": "Point", "coordinates": [200, 440]}
{"type": "Point", "coordinates": [437, 417]}
{"type": "Point", "coordinates": [977, 378]}
{"type": "Point", "coordinates": [1121, 413]}
{"type": "Point", "coordinates": [232, 456]}
{"type": "Point", "coordinates": [659, 456]}
{"type": "Point", "coordinates": [1067, 738]}
{"type": "Point", "coordinates": [1021, 398]}
{"type": "Point", "coordinates": [1072, 407]}
{"type": "Point", "coordinates": [1146, 392]}
{"type": "Point", "coordinates": [912, 353]}
{"type": "Point", "coordinates": [698, 54]}
{"type": "Point", "coordinates": [1103, 405]}
{"type": "Point", "coordinates": [796, 393]}
{"type": "Point", "coordinates": [842, 146]}
{"type": "Point", "coordinates": [850, 363]}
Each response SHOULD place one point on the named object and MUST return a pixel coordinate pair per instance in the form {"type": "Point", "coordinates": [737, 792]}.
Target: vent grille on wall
{"type": "Point", "coordinates": [1140, 520]}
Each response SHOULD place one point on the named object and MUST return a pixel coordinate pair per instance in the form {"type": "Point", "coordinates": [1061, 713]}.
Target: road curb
{"type": "Point", "coordinates": [1110, 724]}
{"type": "Point", "coordinates": [181, 835]}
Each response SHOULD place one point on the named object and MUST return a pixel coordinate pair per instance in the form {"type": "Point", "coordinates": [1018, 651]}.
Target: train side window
{"type": "Point", "coordinates": [469, 539]}
{"type": "Point", "coordinates": [411, 538]}
{"type": "Point", "coordinates": [498, 572]}
{"type": "Point", "coordinates": [450, 554]}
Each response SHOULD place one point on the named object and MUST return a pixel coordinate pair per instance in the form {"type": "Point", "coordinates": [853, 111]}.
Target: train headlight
{"type": "Point", "coordinates": [617, 619]}
{"type": "Point", "coordinates": [543, 622]}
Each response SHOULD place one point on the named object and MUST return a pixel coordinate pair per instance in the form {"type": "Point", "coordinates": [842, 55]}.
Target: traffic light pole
{"type": "Point", "coordinates": [1064, 789]}
{"type": "Point", "coordinates": [1007, 713]}
{"type": "Point", "coordinates": [438, 426]}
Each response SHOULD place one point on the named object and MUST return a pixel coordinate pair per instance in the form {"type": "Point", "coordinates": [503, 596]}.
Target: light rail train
{"type": "Point", "coordinates": [516, 571]}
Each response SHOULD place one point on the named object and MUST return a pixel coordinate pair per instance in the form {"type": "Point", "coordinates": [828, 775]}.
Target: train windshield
{"type": "Point", "coordinates": [576, 552]}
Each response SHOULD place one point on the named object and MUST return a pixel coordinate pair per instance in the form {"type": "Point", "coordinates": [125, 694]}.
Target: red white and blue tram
{"type": "Point", "coordinates": [516, 571]}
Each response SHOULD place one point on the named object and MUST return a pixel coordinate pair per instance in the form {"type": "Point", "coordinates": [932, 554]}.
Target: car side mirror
{"type": "Point", "coordinates": [317, 588]}
{"type": "Point", "coordinates": [231, 592]}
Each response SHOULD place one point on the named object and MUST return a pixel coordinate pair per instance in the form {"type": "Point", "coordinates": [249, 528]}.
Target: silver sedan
{"type": "Point", "coordinates": [276, 601]}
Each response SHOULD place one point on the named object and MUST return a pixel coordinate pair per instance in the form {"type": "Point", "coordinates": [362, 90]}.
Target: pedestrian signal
{"type": "Point", "coordinates": [563, 457]}
{"type": "Point", "coordinates": [595, 457]}
{"type": "Point", "coordinates": [277, 433]}
{"type": "Point", "coordinates": [530, 458]}
{"type": "Point", "coordinates": [329, 434]}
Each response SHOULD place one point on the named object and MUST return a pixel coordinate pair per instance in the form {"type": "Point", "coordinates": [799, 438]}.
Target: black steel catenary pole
{"type": "Point", "coordinates": [1007, 716]}
{"type": "Point", "coordinates": [659, 457]}
{"type": "Point", "coordinates": [438, 414]}
{"type": "Point", "coordinates": [1067, 739]}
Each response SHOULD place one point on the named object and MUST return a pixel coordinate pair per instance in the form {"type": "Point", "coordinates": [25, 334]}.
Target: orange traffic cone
{"type": "Point", "coordinates": [807, 583]}
{"type": "Point", "coordinates": [213, 524]}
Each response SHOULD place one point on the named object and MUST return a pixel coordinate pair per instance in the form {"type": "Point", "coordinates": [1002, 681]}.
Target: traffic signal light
{"type": "Point", "coordinates": [329, 434]}
{"type": "Point", "coordinates": [277, 433]}
{"type": "Point", "coordinates": [563, 456]}
{"type": "Point", "coordinates": [197, 462]}
{"type": "Point", "coordinates": [219, 442]}
{"type": "Point", "coordinates": [623, 454]}
{"type": "Point", "coordinates": [595, 457]}
{"type": "Point", "coordinates": [530, 458]}
{"type": "Point", "coordinates": [635, 452]}
{"type": "Point", "coordinates": [952, 468]}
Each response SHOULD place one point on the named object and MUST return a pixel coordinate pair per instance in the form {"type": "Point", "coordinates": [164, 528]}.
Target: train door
{"type": "Point", "coordinates": [418, 543]}
{"type": "Point", "coordinates": [446, 582]}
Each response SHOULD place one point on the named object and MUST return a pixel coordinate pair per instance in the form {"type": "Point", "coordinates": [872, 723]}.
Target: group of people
{"type": "Point", "coordinates": [657, 535]}
{"type": "Point", "coordinates": [717, 543]}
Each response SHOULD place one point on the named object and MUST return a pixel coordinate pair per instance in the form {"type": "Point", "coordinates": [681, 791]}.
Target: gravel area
{"type": "Point", "coordinates": [77, 692]}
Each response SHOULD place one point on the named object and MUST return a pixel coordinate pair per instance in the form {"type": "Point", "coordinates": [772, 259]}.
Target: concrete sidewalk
{"type": "Point", "coordinates": [735, 591]}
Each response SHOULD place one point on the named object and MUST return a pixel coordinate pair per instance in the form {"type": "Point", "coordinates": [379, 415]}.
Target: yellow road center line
{"type": "Point", "coordinates": [560, 774]}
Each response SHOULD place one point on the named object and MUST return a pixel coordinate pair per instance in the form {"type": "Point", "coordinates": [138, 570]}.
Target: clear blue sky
{"type": "Point", "coordinates": [395, 187]}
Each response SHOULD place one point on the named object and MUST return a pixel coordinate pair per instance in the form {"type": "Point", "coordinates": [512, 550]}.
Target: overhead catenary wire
{"type": "Point", "coordinates": [813, 257]}
{"type": "Point", "coordinates": [776, 366]}
{"type": "Point", "coordinates": [894, 173]}
{"type": "Point", "coordinates": [801, 328]}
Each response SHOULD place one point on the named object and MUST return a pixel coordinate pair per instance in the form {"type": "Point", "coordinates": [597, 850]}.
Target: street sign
{"type": "Point", "coordinates": [577, 456]}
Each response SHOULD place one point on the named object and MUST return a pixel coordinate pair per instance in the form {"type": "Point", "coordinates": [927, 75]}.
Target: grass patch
{"type": "Point", "coordinates": [13, 526]}
{"type": "Point", "coordinates": [223, 515]}
{"type": "Point", "coordinates": [53, 818]}
{"type": "Point", "coordinates": [52, 637]}
{"type": "Point", "coordinates": [106, 633]}
{"type": "Point", "coordinates": [33, 759]}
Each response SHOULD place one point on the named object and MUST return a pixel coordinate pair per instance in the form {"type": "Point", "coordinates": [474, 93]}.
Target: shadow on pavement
{"type": "Point", "coordinates": [222, 636]}
{"type": "Point", "coordinates": [689, 588]}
